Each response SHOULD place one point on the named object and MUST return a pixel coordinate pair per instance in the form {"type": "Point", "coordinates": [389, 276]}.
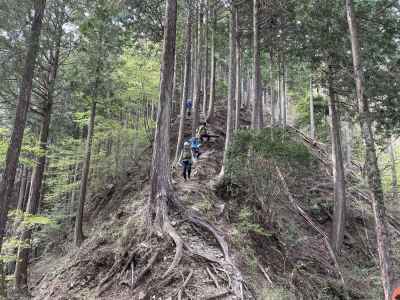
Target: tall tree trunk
{"type": "Point", "coordinates": [272, 86]}
{"type": "Point", "coordinates": [312, 118]}
{"type": "Point", "coordinates": [173, 101]}
{"type": "Point", "coordinates": [213, 63]}
{"type": "Point", "coordinates": [284, 96]}
{"type": "Point", "coordinates": [78, 236]}
{"type": "Point", "coordinates": [238, 94]}
{"type": "Point", "coordinates": [186, 83]}
{"type": "Point", "coordinates": [395, 187]}
{"type": "Point", "coordinates": [373, 173]}
{"type": "Point", "coordinates": [161, 189]}
{"type": "Point", "coordinates": [194, 53]}
{"type": "Point", "coordinates": [279, 87]}
{"type": "Point", "coordinates": [349, 143]}
{"type": "Point", "coordinates": [73, 193]}
{"type": "Point", "coordinates": [21, 271]}
{"type": "Point", "coordinates": [255, 117]}
{"type": "Point", "coordinates": [205, 77]}
{"type": "Point", "coordinates": [22, 189]}
{"type": "Point", "coordinates": [339, 192]}
{"type": "Point", "coordinates": [25, 92]}
{"type": "Point", "coordinates": [199, 70]}
{"type": "Point", "coordinates": [231, 87]}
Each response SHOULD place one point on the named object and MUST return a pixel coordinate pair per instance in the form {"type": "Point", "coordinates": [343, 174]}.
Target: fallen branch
{"type": "Point", "coordinates": [265, 274]}
{"type": "Point", "coordinates": [314, 225]}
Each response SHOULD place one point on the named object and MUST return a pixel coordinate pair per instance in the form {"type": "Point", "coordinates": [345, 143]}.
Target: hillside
{"type": "Point", "coordinates": [274, 251]}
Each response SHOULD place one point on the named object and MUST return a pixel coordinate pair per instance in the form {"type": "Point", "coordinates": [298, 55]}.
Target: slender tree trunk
{"type": "Point", "coordinates": [161, 189]}
{"type": "Point", "coordinates": [279, 87]}
{"type": "Point", "coordinates": [312, 118]}
{"type": "Point", "coordinates": [231, 87]}
{"type": "Point", "coordinates": [373, 173]}
{"type": "Point", "coordinates": [22, 189]}
{"type": "Point", "coordinates": [173, 102]}
{"type": "Point", "coordinates": [186, 82]}
{"type": "Point", "coordinates": [199, 69]}
{"type": "Point", "coordinates": [78, 236]}
{"type": "Point", "coordinates": [213, 63]}
{"type": "Point", "coordinates": [238, 94]}
{"type": "Point", "coordinates": [339, 192]}
{"type": "Point", "coordinates": [205, 77]}
{"type": "Point", "coordinates": [25, 91]}
{"type": "Point", "coordinates": [395, 187]}
{"type": "Point", "coordinates": [255, 117]}
{"type": "Point", "coordinates": [73, 193]}
{"type": "Point", "coordinates": [272, 86]}
{"type": "Point", "coordinates": [194, 53]}
{"type": "Point", "coordinates": [284, 96]}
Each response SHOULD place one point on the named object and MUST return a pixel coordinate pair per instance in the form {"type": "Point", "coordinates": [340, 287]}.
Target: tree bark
{"type": "Point", "coordinates": [22, 189]}
{"type": "Point", "coordinates": [205, 77]}
{"type": "Point", "coordinates": [161, 187]}
{"type": "Point", "coordinates": [373, 173]}
{"type": "Point", "coordinates": [284, 96]}
{"type": "Point", "coordinates": [21, 271]}
{"type": "Point", "coordinates": [78, 235]}
{"type": "Point", "coordinates": [198, 72]}
{"type": "Point", "coordinates": [395, 188]}
{"type": "Point", "coordinates": [339, 192]}
{"type": "Point", "coordinates": [312, 118]}
{"type": "Point", "coordinates": [173, 101]}
{"type": "Point", "coordinates": [255, 117]}
{"type": "Point", "coordinates": [231, 87]}
{"type": "Point", "coordinates": [213, 63]}
{"type": "Point", "coordinates": [186, 83]}
{"type": "Point", "coordinates": [14, 149]}
{"type": "Point", "coordinates": [238, 94]}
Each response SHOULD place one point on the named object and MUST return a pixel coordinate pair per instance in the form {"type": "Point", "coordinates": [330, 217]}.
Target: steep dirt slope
{"type": "Point", "coordinates": [291, 261]}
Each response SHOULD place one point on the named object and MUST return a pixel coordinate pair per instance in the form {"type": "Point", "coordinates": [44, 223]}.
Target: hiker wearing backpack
{"type": "Point", "coordinates": [195, 144]}
{"type": "Point", "coordinates": [202, 132]}
{"type": "Point", "coordinates": [186, 160]}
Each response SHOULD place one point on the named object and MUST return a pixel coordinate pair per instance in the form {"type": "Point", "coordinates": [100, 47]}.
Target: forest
{"type": "Point", "coordinates": [199, 149]}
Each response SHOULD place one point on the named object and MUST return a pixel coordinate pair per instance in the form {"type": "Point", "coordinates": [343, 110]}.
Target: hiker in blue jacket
{"type": "Point", "coordinates": [195, 144]}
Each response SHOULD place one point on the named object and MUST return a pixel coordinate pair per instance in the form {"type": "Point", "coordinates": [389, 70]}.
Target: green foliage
{"type": "Point", "coordinates": [248, 225]}
{"type": "Point", "coordinates": [221, 89]}
{"type": "Point", "coordinates": [269, 144]}
{"type": "Point", "coordinates": [320, 114]}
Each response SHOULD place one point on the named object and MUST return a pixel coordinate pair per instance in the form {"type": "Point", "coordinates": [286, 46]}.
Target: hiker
{"type": "Point", "coordinates": [195, 143]}
{"type": "Point", "coordinates": [202, 132]}
{"type": "Point", "coordinates": [186, 160]}
{"type": "Point", "coordinates": [189, 105]}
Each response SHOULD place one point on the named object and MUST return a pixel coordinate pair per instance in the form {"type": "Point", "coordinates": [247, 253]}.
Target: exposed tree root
{"type": "Point", "coordinates": [146, 269]}
{"type": "Point", "coordinates": [178, 243]}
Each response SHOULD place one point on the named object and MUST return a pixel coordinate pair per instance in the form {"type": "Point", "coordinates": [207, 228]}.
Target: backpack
{"type": "Point", "coordinates": [202, 130]}
{"type": "Point", "coordinates": [187, 153]}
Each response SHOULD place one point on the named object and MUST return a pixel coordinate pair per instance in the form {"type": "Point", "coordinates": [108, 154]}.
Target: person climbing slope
{"type": "Point", "coordinates": [202, 132]}
{"type": "Point", "coordinates": [195, 143]}
{"type": "Point", "coordinates": [186, 160]}
{"type": "Point", "coordinates": [189, 105]}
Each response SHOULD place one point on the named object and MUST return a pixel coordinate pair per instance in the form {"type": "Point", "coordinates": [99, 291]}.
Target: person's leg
{"type": "Point", "coordinates": [184, 169]}
{"type": "Point", "coordinates": [189, 169]}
